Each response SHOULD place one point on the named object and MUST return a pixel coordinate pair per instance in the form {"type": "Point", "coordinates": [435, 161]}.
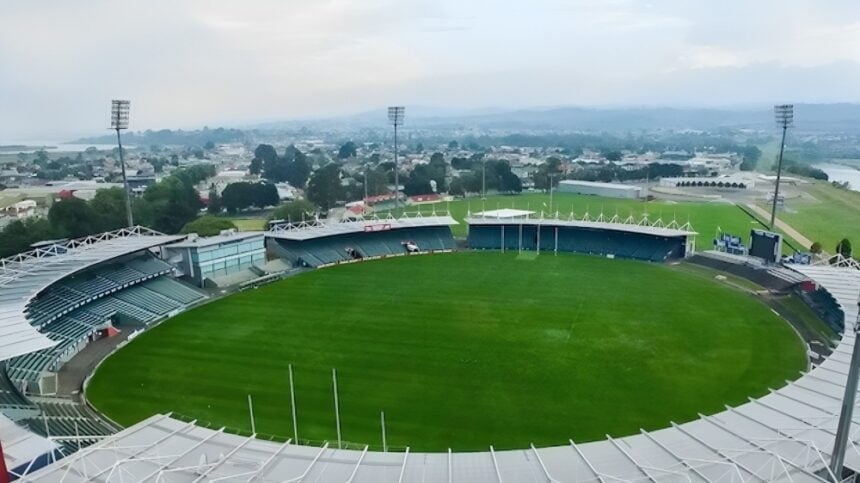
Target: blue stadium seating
{"type": "Point", "coordinates": [576, 239]}
{"type": "Point", "coordinates": [72, 310]}
{"type": "Point", "coordinates": [327, 250]}
{"type": "Point", "coordinates": [74, 292]}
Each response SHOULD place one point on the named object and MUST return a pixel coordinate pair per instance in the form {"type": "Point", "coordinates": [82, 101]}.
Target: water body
{"type": "Point", "coordinates": [52, 147]}
{"type": "Point", "coordinates": [842, 173]}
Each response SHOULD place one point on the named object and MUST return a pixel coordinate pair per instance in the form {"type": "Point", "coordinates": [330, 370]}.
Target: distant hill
{"type": "Point", "coordinates": [830, 117]}
{"type": "Point", "coordinates": [168, 137]}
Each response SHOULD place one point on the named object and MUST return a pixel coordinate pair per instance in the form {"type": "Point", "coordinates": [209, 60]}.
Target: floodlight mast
{"type": "Point", "coordinates": [396, 115]}
{"type": "Point", "coordinates": [119, 112]}
{"type": "Point", "coordinates": [847, 413]}
{"type": "Point", "coordinates": [784, 115]}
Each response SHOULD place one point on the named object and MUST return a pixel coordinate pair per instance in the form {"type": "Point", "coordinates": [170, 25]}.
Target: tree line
{"type": "Point", "coordinates": [165, 206]}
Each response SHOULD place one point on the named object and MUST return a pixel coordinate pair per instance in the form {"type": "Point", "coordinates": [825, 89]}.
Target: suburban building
{"type": "Point", "coordinates": [609, 190]}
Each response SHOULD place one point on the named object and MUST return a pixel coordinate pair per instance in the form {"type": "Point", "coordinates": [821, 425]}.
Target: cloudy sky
{"type": "Point", "coordinates": [228, 62]}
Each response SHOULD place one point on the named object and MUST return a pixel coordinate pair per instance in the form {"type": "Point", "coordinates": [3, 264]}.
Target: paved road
{"type": "Point", "coordinates": [796, 235]}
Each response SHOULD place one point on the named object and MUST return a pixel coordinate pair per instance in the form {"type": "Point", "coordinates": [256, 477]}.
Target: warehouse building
{"type": "Point", "coordinates": [609, 190]}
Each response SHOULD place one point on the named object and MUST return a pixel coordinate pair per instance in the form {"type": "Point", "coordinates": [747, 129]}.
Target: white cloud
{"type": "Point", "coordinates": [186, 64]}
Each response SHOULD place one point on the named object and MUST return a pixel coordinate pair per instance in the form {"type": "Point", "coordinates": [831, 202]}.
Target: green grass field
{"type": "Point", "coordinates": [826, 214]}
{"type": "Point", "coordinates": [703, 216]}
{"type": "Point", "coordinates": [460, 350]}
{"type": "Point", "coordinates": [249, 224]}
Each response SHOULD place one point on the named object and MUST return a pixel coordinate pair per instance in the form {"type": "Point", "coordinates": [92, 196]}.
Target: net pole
{"type": "Point", "coordinates": [293, 406]}
{"type": "Point", "coordinates": [336, 407]}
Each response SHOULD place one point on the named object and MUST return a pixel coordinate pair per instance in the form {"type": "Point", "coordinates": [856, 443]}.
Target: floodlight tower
{"type": "Point", "coordinates": [784, 114]}
{"type": "Point", "coordinates": [119, 110]}
{"type": "Point", "coordinates": [845, 416]}
{"type": "Point", "coordinates": [396, 114]}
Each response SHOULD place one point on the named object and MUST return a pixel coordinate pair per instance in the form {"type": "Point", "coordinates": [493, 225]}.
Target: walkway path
{"type": "Point", "coordinates": [794, 234]}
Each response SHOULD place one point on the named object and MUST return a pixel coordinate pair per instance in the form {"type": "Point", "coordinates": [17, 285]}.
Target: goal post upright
{"type": "Point", "coordinates": [293, 405]}
{"type": "Point", "coordinates": [336, 407]}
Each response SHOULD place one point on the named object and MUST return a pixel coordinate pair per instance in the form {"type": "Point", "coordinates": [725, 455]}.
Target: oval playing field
{"type": "Point", "coordinates": [460, 350]}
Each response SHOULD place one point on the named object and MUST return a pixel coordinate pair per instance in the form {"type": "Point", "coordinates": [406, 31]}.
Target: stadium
{"type": "Point", "coordinates": [539, 348]}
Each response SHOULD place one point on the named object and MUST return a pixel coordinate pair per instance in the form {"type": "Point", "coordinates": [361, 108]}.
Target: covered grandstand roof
{"type": "Point", "coordinates": [644, 225]}
{"type": "Point", "coordinates": [233, 236]}
{"type": "Point", "coordinates": [25, 275]}
{"type": "Point", "coordinates": [318, 228]}
{"type": "Point", "coordinates": [786, 435]}
{"type": "Point", "coordinates": [21, 447]}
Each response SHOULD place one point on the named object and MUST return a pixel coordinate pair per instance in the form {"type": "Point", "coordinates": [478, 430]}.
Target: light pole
{"type": "Point", "coordinates": [119, 110]}
{"type": "Point", "coordinates": [844, 428]}
{"type": "Point", "coordinates": [396, 114]}
{"type": "Point", "coordinates": [784, 114]}
{"type": "Point", "coordinates": [483, 178]}
{"type": "Point", "coordinates": [550, 192]}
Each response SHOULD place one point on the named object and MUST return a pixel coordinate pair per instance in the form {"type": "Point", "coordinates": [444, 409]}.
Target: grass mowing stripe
{"type": "Point", "coordinates": [461, 350]}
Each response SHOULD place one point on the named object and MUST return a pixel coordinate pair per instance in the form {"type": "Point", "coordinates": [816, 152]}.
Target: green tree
{"type": "Point", "coordinates": [256, 166]}
{"type": "Point", "coordinates": [298, 171]}
{"type": "Point", "coordinates": [237, 196]}
{"type": "Point", "coordinates": [208, 226]}
{"type": "Point", "coordinates": [109, 207]}
{"type": "Point", "coordinates": [294, 211]}
{"type": "Point", "coordinates": [457, 187]}
{"type": "Point", "coordinates": [453, 145]}
{"type": "Point", "coordinates": [73, 218]}
{"type": "Point", "coordinates": [510, 183]}
{"type": "Point", "coordinates": [844, 247]}
{"type": "Point", "coordinates": [347, 150]}
{"type": "Point", "coordinates": [418, 182]}
{"type": "Point", "coordinates": [324, 188]}
{"type": "Point", "coordinates": [215, 206]}
{"type": "Point", "coordinates": [377, 182]}
{"type": "Point", "coordinates": [169, 204]}
{"type": "Point", "coordinates": [612, 155]}
{"type": "Point", "coordinates": [17, 236]}
{"type": "Point", "coordinates": [265, 194]}
{"type": "Point", "coordinates": [265, 153]}
{"type": "Point", "coordinates": [815, 248]}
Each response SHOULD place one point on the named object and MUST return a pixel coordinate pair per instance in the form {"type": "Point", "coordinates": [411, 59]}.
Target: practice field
{"type": "Point", "coordinates": [460, 350]}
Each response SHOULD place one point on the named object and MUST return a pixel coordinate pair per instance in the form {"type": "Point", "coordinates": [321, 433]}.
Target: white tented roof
{"type": "Point", "coordinates": [23, 276]}
{"type": "Point", "coordinates": [20, 446]}
{"type": "Point", "coordinates": [642, 225]}
{"type": "Point", "coordinates": [504, 213]}
{"type": "Point", "coordinates": [786, 435]}
{"type": "Point", "coordinates": [317, 229]}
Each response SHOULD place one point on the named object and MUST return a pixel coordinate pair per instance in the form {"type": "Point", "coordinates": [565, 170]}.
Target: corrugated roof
{"type": "Point", "coordinates": [25, 275]}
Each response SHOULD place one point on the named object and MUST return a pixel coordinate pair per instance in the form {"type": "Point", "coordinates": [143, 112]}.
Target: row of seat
{"type": "Point", "coordinates": [70, 294]}
{"type": "Point", "coordinates": [580, 240]}
{"type": "Point", "coordinates": [827, 308]}
{"type": "Point", "coordinates": [339, 248]}
{"type": "Point", "coordinates": [145, 302]}
{"type": "Point", "coordinates": [72, 425]}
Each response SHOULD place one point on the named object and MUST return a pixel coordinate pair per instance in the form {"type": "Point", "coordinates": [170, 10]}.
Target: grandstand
{"type": "Point", "coordinates": [56, 299]}
{"type": "Point", "coordinates": [317, 244]}
{"type": "Point", "coordinates": [642, 239]}
{"type": "Point", "coordinates": [71, 312]}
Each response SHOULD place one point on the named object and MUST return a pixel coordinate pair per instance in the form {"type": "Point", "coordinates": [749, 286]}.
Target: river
{"type": "Point", "coordinates": [842, 173]}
